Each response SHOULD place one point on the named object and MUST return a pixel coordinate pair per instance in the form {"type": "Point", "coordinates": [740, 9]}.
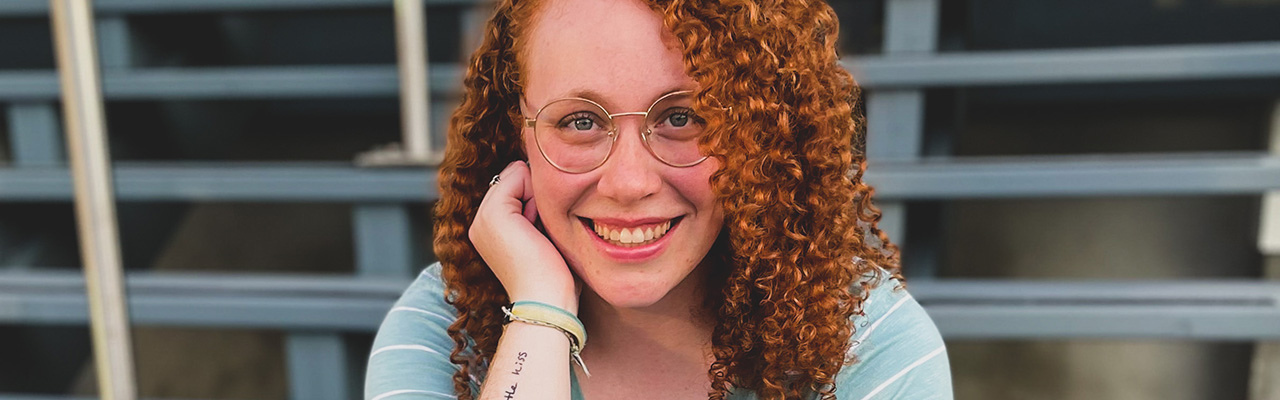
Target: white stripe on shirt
{"type": "Point", "coordinates": [399, 392]}
{"type": "Point", "coordinates": [904, 371]}
{"type": "Point", "coordinates": [421, 311]}
{"type": "Point", "coordinates": [404, 347]}
{"type": "Point", "coordinates": [873, 326]}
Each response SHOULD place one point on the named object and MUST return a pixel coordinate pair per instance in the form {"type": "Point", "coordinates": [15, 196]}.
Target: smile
{"type": "Point", "coordinates": [631, 236]}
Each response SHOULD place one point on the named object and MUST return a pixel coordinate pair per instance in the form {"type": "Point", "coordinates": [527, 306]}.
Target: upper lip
{"type": "Point", "coordinates": [629, 222]}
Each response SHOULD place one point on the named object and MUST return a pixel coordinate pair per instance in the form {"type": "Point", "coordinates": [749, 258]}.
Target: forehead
{"type": "Point", "coordinates": [616, 50]}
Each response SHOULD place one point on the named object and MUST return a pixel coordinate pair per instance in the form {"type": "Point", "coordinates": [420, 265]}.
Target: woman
{"type": "Point", "coordinates": [676, 179]}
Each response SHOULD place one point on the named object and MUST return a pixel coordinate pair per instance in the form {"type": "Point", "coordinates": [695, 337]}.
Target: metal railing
{"type": "Point", "coordinates": [317, 310]}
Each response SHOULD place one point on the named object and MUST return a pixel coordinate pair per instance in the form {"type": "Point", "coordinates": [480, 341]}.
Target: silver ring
{"type": "Point", "coordinates": [494, 181]}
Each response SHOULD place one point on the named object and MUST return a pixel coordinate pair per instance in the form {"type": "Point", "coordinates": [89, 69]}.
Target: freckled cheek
{"type": "Point", "coordinates": [695, 186]}
{"type": "Point", "coordinates": [555, 196]}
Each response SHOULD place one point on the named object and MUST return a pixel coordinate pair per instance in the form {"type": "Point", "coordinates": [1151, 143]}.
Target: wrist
{"type": "Point", "coordinates": [567, 302]}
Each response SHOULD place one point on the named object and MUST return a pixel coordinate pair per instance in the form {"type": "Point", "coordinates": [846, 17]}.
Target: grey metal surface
{"type": "Point", "coordinates": [383, 247]}
{"type": "Point", "coordinates": [1118, 64]}
{"type": "Point", "coordinates": [415, 97]}
{"type": "Point", "coordinates": [895, 117]}
{"type": "Point", "coordinates": [16, 396]}
{"type": "Point", "coordinates": [34, 135]}
{"type": "Point", "coordinates": [911, 26]}
{"type": "Point", "coordinates": [298, 182]}
{"type": "Point", "coordinates": [236, 82]}
{"type": "Point", "coordinates": [316, 302]}
{"type": "Point", "coordinates": [963, 309]}
{"type": "Point", "coordinates": [317, 364]}
{"type": "Point", "coordinates": [1202, 310]}
{"type": "Point", "coordinates": [895, 124]}
{"type": "Point", "coordinates": [1100, 65]}
{"type": "Point", "coordinates": [1072, 176]}
{"type": "Point", "coordinates": [955, 178]}
{"type": "Point", "coordinates": [90, 164]}
{"type": "Point", "coordinates": [114, 42]}
{"type": "Point", "coordinates": [41, 7]}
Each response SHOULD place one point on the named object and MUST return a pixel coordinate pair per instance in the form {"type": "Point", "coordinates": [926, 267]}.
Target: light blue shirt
{"type": "Point", "coordinates": [899, 351]}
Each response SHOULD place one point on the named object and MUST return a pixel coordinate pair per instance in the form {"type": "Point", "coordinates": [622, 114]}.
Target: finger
{"type": "Point", "coordinates": [531, 210]}
{"type": "Point", "coordinates": [526, 176]}
{"type": "Point", "coordinates": [506, 193]}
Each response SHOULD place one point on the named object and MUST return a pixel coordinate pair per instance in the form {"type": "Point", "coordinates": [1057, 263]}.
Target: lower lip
{"type": "Point", "coordinates": [630, 254]}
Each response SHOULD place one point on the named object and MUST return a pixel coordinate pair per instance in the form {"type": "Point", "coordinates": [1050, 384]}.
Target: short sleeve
{"type": "Point", "coordinates": [899, 352]}
{"type": "Point", "coordinates": [410, 355]}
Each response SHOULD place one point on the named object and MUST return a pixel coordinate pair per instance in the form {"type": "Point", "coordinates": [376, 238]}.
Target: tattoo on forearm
{"type": "Point", "coordinates": [519, 365]}
{"type": "Point", "coordinates": [511, 393]}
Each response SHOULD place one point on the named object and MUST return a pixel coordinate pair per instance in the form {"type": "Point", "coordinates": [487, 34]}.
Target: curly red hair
{"type": "Point", "coordinates": [785, 121]}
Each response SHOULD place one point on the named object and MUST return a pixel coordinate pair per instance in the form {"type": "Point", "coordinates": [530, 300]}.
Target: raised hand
{"type": "Point", "coordinates": [523, 259]}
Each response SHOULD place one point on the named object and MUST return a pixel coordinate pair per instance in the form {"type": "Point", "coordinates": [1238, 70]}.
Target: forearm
{"type": "Point", "coordinates": [532, 362]}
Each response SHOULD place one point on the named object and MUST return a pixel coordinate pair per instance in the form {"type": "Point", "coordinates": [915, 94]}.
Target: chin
{"type": "Point", "coordinates": [625, 286]}
{"type": "Point", "coordinates": [622, 295]}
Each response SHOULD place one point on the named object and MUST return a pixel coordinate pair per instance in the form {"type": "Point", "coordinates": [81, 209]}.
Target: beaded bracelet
{"type": "Point", "coordinates": [543, 314]}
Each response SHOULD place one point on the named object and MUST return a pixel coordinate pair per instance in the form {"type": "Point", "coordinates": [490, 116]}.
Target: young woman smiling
{"type": "Point", "coordinates": [675, 179]}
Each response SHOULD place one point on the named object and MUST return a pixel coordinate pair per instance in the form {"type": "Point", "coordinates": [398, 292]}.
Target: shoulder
{"type": "Point", "coordinates": [410, 354]}
{"type": "Point", "coordinates": [897, 349]}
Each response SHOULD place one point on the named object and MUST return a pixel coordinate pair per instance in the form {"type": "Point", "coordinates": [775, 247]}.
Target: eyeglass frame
{"type": "Point", "coordinates": [531, 123]}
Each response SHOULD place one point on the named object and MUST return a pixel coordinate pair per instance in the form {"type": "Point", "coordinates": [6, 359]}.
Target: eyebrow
{"type": "Point", "coordinates": [593, 95]}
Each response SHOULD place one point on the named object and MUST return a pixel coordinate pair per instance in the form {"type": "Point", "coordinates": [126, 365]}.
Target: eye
{"type": "Point", "coordinates": [581, 121]}
{"type": "Point", "coordinates": [678, 119]}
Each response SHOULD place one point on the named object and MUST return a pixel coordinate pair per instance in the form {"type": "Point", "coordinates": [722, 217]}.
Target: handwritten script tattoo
{"type": "Point", "coordinates": [510, 394]}
{"type": "Point", "coordinates": [520, 357]}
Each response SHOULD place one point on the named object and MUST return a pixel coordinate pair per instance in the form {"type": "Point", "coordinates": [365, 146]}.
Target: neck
{"type": "Point", "coordinates": [675, 326]}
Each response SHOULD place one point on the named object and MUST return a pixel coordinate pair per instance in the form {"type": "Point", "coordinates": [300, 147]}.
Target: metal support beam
{"type": "Point", "coordinates": [1095, 65]}
{"type": "Point", "coordinates": [40, 7]}
{"type": "Point", "coordinates": [906, 71]}
{"type": "Point", "coordinates": [295, 182]}
{"type": "Point", "coordinates": [317, 364]}
{"type": "Point", "coordinates": [95, 208]}
{"type": "Point", "coordinates": [34, 135]}
{"type": "Point", "coordinates": [417, 145]}
{"type": "Point", "coordinates": [383, 240]}
{"type": "Point", "coordinates": [471, 30]}
{"type": "Point", "coordinates": [1233, 310]}
{"type": "Point", "coordinates": [911, 26]}
{"type": "Point", "coordinates": [1264, 382]}
{"type": "Point", "coordinates": [352, 81]}
{"type": "Point", "coordinates": [1077, 176]}
{"type": "Point", "coordinates": [1201, 310]}
{"type": "Point", "coordinates": [895, 117]}
{"type": "Point", "coordinates": [415, 90]}
{"type": "Point", "coordinates": [115, 42]}
{"type": "Point", "coordinates": [289, 302]}
{"type": "Point", "coordinates": [895, 124]}
{"type": "Point", "coordinates": [951, 178]}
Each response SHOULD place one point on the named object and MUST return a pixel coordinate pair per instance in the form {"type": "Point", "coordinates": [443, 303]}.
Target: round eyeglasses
{"type": "Point", "coordinates": [577, 135]}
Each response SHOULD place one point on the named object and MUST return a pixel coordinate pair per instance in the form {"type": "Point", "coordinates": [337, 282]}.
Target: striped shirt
{"type": "Point", "coordinates": [899, 351]}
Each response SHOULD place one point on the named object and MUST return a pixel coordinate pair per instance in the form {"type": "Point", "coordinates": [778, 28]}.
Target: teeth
{"type": "Point", "coordinates": [632, 236]}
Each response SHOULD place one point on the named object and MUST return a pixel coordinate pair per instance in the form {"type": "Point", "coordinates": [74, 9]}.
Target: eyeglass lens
{"type": "Point", "coordinates": [577, 135]}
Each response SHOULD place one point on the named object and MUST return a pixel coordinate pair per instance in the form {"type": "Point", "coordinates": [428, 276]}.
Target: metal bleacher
{"type": "Point", "coordinates": [317, 310]}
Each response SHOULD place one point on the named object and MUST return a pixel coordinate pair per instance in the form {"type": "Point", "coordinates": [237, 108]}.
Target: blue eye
{"type": "Point", "coordinates": [583, 124]}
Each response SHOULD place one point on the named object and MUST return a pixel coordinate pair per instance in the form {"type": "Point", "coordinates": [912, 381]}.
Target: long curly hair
{"type": "Point", "coordinates": [786, 123]}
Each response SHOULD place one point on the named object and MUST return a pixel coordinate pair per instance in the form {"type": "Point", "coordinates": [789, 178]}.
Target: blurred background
{"type": "Point", "coordinates": [1080, 189]}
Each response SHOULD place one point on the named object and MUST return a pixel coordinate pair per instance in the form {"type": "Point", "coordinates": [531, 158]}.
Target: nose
{"type": "Point", "coordinates": [631, 173]}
